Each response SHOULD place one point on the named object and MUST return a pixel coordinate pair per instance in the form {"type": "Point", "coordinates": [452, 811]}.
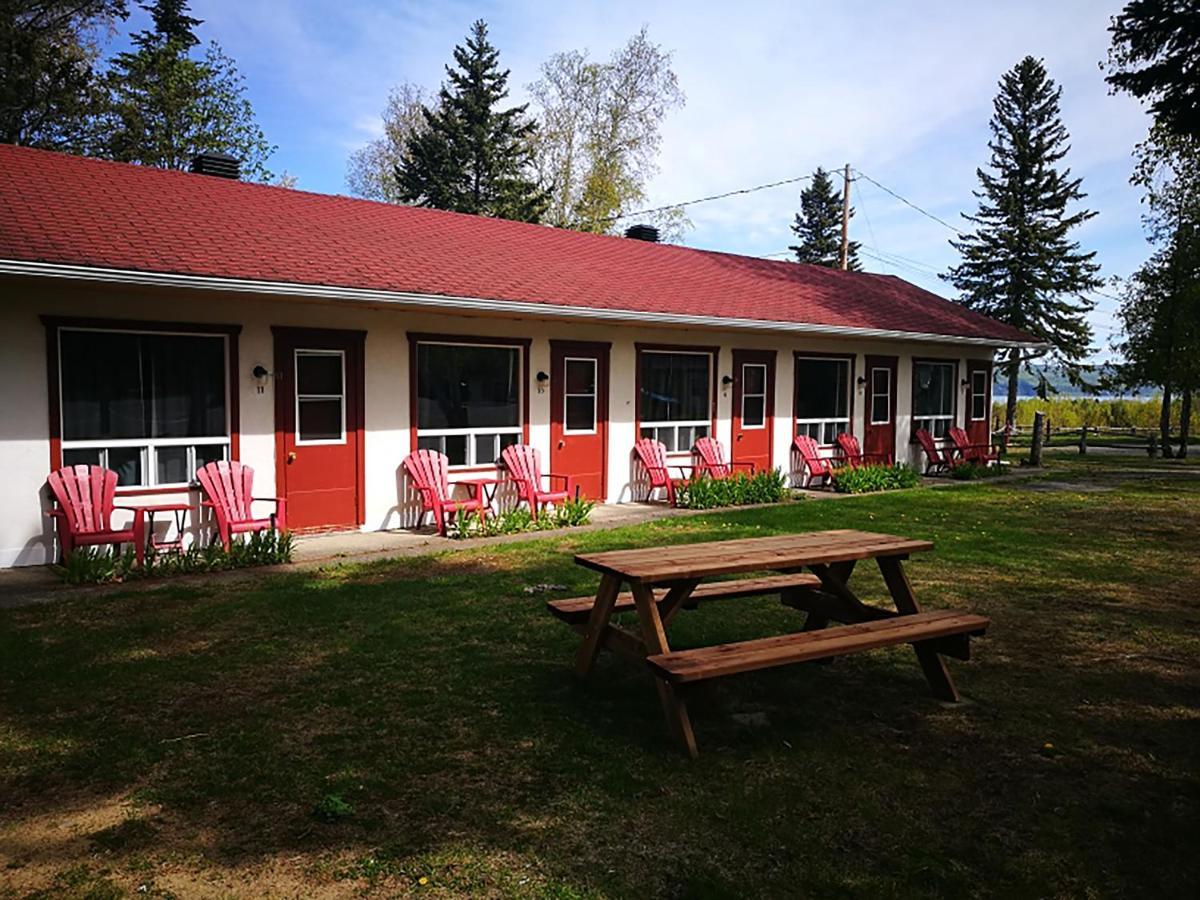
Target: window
{"type": "Point", "coordinates": [754, 395]}
{"type": "Point", "coordinates": [675, 406]}
{"type": "Point", "coordinates": [320, 397]}
{"type": "Point", "coordinates": [579, 398]}
{"type": "Point", "coordinates": [933, 397]}
{"type": "Point", "coordinates": [468, 400]}
{"type": "Point", "coordinates": [822, 398]}
{"type": "Point", "coordinates": [881, 396]}
{"type": "Point", "coordinates": [151, 406]}
{"type": "Point", "coordinates": [979, 395]}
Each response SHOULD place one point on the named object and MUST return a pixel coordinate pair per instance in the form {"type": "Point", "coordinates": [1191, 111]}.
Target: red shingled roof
{"type": "Point", "coordinates": [63, 209]}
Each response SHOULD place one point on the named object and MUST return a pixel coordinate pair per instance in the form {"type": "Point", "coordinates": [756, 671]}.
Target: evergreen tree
{"type": "Point", "coordinates": [165, 105]}
{"type": "Point", "coordinates": [818, 226]}
{"type": "Point", "coordinates": [1020, 265]}
{"type": "Point", "coordinates": [473, 157]}
{"type": "Point", "coordinates": [48, 87]}
{"type": "Point", "coordinates": [1155, 55]}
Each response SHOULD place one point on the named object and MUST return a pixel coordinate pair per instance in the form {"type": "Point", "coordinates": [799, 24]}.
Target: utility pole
{"type": "Point", "coordinates": [846, 218]}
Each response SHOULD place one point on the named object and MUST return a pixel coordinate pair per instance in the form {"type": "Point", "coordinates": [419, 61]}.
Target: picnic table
{"type": "Point", "coordinates": [810, 572]}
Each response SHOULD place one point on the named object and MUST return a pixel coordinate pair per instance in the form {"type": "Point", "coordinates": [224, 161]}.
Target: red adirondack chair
{"type": "Point", "coordinates": [86, 498]}
{"type": "Point", "coordinates": [430, 473]}
{"type": "Point", "coordinates": [811, 459]}
{"type": "Point", "coordinates": [524, 465]}
{"type": "Point", "coordinates": [653, 456]}
{"type": "Point", "coordinates": [229, 488]}
{"type": "Point", "coordinates": [980, 454]}
{"type": "Point", "coordinates": [854, 456]}
{"type": "Point", "coordinates": [710, 454]}
{"type": "Point", "coordinates": [936, 460]}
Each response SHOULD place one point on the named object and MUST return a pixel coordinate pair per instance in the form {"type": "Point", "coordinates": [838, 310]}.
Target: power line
{"type": "Point", "coordinates": [749, 190]}
{"type": "Point", "coordinates": [908, 202]}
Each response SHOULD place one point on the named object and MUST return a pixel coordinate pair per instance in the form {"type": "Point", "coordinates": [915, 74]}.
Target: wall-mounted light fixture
{"type": "Point", "coordinates": [542, 379]}
{"type": "Point", "coordinates": [261, 374]}
{"type": "Point", "coordinates": [966, 383]}
{"type": "Point", "coordinates": [726, 380]}
{"type": "Point", "coordinates": [862, 379]}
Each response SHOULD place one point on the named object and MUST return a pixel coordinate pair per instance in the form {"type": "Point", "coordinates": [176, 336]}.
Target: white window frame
{"type": "Point", "coordinates": [656, 427]}
{"type": "Point", "coordinates": [929, 423]}
{"type": "Point", "coordinates": [763, 394]}
{"type": "Point", "coordinates": [473, 433]}
{"type": "Point", "coordinates": [595, 394]}
{"type": "Point", "coordinates": [822, 426]}
{"type": "Point", "coordinates": [148, 446]}
{"type": "Point", "coordinates": [887, 394]}
{"type": "Point", "coordinates": [983, 392]}
{"type": "Point", "coordinates": [313, 351]}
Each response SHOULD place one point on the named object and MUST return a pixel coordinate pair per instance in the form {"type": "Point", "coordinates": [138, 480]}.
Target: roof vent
{"type": "Point", "coordinates": [642, 233]}
{"type": "Point", "coordinates": [222, 165]}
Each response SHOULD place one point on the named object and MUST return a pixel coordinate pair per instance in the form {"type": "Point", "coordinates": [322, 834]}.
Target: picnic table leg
{"type": "Point", "coordinates": [932, 665]}
{"type": "Point", "coordinates": [655, 638]}
{"type": "Point", "coordinates": [606, 597]}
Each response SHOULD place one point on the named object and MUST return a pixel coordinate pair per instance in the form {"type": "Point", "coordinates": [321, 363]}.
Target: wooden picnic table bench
{"type": "Point", "coordinates": [665, 580]}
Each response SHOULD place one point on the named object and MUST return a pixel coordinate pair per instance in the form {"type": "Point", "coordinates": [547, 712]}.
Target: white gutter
{"type": "Point", "coordinates": [469, 304]}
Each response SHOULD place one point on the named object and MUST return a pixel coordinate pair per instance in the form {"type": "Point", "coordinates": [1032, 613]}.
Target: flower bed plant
{"type": "Point", "coordinates": [972, 471]}
{"type": "Point", "coordinates": [740, 489]}
{"type": "Point", "coordinates": [569, 514]}
{"type": "Point", "coordinates": [96, 565]}
{"type": "Point", "coordinates": [870, 479]}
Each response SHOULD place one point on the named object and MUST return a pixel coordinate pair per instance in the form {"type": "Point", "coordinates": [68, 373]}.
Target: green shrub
{"type": "Point", "coordinates": [568, 514]}
{"type": "Point", "coordinates": [332, 808]}
{"type": "Point", "coordinates": [739, 489]}
{"type": "Point", "coordinates": [96, 565]}
{"type": "Point", "coordinates": [973, 471]}
{"type": "Point", "coordinates": [868, 479]}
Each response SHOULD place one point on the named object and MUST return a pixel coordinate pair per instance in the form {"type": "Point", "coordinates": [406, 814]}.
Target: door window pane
{"type": "Point", "coordinates": [753, 411]}
{"type": "Point", "coordinates": [754, 379]}
{"type": "Point", "coordinates": [319, 373]}
{"type": "Point", "coordinates": [319, 420]}
{"type": "Point", "coordinates": [581, 413]}
{"type": "Point", "coordinates": [979, 385]}
{"type": "Point", "coordinates": [581, 376]}
{"type": "Point", "coordinates": [881, 396]}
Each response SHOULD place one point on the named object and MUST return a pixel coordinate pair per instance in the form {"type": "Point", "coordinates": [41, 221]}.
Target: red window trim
{"type": "Point", "coordinates": [851, 383]}
{"type": "Point", "coordinates": [356, 363]}
{"type": "Point", "coordinates": [912, 412]}
{"type": "Point", "coordinates": [54, 324]}
{"type": "Point", "coordinates": [714, 357]}
{"type": "Point", "coordinates": [424, 337]}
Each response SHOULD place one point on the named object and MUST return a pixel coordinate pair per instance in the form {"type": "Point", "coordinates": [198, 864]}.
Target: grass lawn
{"type": "Point", "coordinates": [413, 726]}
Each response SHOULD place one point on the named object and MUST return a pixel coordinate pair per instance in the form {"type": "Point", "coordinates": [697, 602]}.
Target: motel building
{"type": "Point", "coordinates": [153, 321]}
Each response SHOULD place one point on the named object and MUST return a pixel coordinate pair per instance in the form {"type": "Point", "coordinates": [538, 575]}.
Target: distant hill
{"type": "Point", "coordinates": [1027, 384]}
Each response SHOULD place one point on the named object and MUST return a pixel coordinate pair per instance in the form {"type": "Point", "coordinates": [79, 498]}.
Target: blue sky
{"type": "Point", "coordinates": [901, 91]}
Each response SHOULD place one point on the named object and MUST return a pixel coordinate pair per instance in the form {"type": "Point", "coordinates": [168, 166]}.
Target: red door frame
{"type": "Point", "coordinates": [740, 359]}
{"type": "Point", "coordinates": [287, 338]}
{"type": "Point", "coordinates": [880, 438]}
{"type": "Point", "coordinates": [598, 350]}
{"type": "Point", "coordinates": [979, 430]}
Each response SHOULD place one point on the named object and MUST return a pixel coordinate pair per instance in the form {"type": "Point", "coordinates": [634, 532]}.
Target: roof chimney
{"type": "Point", "coordinates": [222, 165]}
{"type": "Point", "coordinates": [642, 233]}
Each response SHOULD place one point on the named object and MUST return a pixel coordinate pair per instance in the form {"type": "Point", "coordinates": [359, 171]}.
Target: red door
{"type": "Point", "coordinates": [879, 412]}
{"type": "Point", "coordinates": [753, 407]}
{"type": "Point", "coordinates": [319, 426]}
{"type": "Point", "coordinates": [579, 415]}
{"type": "Point", "coordinates": [979, 401]}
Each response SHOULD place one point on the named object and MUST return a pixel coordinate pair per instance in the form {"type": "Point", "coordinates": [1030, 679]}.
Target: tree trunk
{"type": "Point", "coordinates": [1185, 422]}
{"type": "Point", "coordinates": [1164, 421]}
{"type": "Point", "coordinates": [1035, 447]}
{"type": "Point", "coordinates": [1013, 370]}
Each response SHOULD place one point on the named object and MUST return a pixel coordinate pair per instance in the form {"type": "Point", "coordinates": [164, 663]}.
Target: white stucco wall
{"type": "Point", "coordinates": [26, 536]}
